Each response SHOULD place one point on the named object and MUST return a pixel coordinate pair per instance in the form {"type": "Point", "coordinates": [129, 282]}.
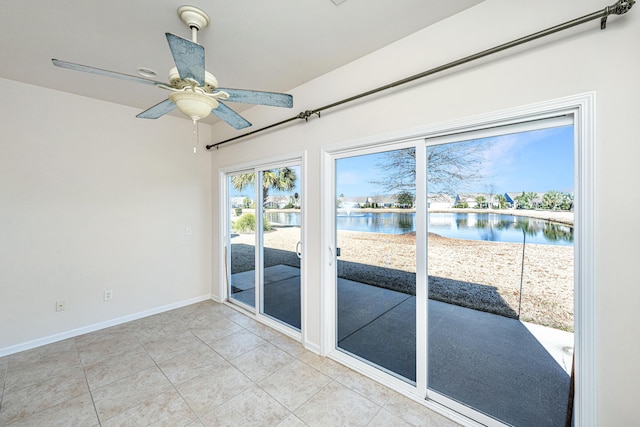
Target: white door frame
{"type": "Point", "coordinates": [582, 108]}
{"type": "Point", "coordinates": [298, 159]}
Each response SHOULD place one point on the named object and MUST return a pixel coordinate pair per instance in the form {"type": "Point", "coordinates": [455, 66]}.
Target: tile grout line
{"type": "Point", "coordinates": [173, 386]}
{"type": "Point", "coordinates": [222, 357]}
{"type": "Point", "coordinates": [4, 382]}
{"type": "Point", "coordinates": [273, 397]}
{"type": "Point", "coordinates": [380, 408]}
{"type": "Point", "coordinates": [176, 388]}
{"type": "Point", "coordinates": [255, 383]}
{"type": "Point", "coordinates": [198, 417]}
{"type": "Point", "coordinates": [56, 404]}
{"type": "Point", "coordinates": [93, 402]}
{"type": "Point", "coordinates": [332, 380]}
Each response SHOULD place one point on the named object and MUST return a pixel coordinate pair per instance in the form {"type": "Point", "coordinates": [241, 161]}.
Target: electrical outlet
{"type": "Point", "coordinates": [61, 305]}
{"type": "Point", "coordinates": [108, 295]}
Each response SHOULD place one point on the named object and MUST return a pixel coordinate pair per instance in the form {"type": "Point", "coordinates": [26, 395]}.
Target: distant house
{"type": "Point", "coordinates": [465, 200]}
{"type": "Point", "coordinates": [512, 199]}
{"type": "Point", "coordinates": [392, 202]}
{"type": "Point", "coordinates": [236, 202]}
{"type": "Point", "coordinates": [469, 200]}
{"type": "Point", "coordinates": [439, 201]}
{"type": "Point", "coordinates": [276, 202]}
{"type": "Point", "coordinates": [389, 202]}
{"type": "Point", "coordinates": [372, 201]}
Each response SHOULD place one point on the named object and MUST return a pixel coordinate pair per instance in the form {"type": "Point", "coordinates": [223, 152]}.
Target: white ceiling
{"type": "Point", "coordinates": [251, 44]}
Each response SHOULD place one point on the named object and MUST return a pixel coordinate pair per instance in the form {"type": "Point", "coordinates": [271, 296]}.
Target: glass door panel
{"type": "Point", "coordinates": [376, 264]}
{"type": "Point", "coordinates": [281, 244]}
{"type": "Point", "coordinates": [500, 278]}
{"type": "Point", "coordinates": [241, 250]}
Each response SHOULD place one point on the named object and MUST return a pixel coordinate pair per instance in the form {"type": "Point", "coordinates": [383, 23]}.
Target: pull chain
{"type": "Point", "coordinates": [195, 136]}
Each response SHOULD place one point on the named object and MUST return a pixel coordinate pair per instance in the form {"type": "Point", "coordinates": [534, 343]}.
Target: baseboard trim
{"type": "Point", "coordinates": [313, 347]}
{"type": "Point", "coordinates": [97, 326]}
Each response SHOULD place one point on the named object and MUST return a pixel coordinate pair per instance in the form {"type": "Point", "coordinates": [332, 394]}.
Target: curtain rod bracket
{"type": "Point", "coordinates": [308, 113]}
{"type": "Point", "coordinates": [619, 8]}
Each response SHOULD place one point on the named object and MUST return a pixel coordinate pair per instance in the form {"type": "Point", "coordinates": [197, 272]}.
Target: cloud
{"type": "Point", "coordinates": [508, 159]}
{"type": "Point", "coordinates": [349, 178]}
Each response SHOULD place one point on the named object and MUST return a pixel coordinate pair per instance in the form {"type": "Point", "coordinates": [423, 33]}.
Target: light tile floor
{"type": "Point", "coordinates": [201, 365]}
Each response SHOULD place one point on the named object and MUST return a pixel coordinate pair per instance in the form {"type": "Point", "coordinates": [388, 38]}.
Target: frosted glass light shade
{"type": "Point", "coordinates": [193, 105]}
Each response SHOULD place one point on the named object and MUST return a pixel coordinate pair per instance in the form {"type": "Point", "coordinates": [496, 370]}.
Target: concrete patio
{"type": "Point", "coordinates": [502, 367]}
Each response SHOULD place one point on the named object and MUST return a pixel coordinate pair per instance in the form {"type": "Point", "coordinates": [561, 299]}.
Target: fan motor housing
{"type": "Point", "coordinates": [210, 82]}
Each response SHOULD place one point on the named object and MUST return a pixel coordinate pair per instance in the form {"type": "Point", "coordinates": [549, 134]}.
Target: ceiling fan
{"type": "Point", "coordinates": [194, 91]}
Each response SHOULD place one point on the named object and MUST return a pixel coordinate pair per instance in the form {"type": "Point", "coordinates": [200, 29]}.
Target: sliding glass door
{"type": "Point", "coordinates": [376, 264]}
{"type": "Point", "coordinates": [453, 267]}
{"type": "Point", "coordinates": [264, 250]}
{"type": "Point", "coordinates": [281, 245]}
{"type": "Point", "coordinates": [240, 256]}
{"type": "Point", "coordinates": [500, 274]}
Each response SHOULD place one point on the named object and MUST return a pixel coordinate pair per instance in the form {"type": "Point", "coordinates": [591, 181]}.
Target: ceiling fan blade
{"type": "Point", "coordinates": [257, 97]}
{"type": "Point", "coordinates": [231, 117]}
{"type": "Point", "coordinates": [158, 110]}
{"type": "Point", "coordinates": [189, 58]}
{"type": "Point", "coordinates": [101, 72]}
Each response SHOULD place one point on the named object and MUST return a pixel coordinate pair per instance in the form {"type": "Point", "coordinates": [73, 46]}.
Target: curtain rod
{"type": "Point", "coordinates": [619, 8]}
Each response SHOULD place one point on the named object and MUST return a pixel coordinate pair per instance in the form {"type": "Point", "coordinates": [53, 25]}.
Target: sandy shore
{"type": "Point", "coordinates": [477, 274]}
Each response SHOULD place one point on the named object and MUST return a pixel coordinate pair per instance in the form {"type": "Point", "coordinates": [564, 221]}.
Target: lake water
{"type": "Point", "coordinates": [469, 226]}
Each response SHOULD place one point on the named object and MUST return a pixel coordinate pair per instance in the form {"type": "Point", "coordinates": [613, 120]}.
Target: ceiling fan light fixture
{"type": "Point", "coordinates": [193, 90]}
{"type": "Point", "coordinates": [193, 105]}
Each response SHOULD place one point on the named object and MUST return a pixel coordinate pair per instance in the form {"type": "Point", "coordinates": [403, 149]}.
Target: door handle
{"type": "Point", "coordinates": [298, 249]}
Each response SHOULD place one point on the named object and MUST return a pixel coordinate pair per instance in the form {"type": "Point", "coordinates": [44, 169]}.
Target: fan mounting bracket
{"type": "Point", "coordinates": [193, 17]}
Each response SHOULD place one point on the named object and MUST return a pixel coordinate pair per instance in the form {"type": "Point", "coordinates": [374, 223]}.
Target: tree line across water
{"type": "Point", "coordinates": [551, 200]}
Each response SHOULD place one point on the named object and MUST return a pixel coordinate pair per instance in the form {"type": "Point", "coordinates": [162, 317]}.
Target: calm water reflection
{"type": "Point", "coordinates": [500, 228]}
{"type": "Point", "coordinates": [470, 226]}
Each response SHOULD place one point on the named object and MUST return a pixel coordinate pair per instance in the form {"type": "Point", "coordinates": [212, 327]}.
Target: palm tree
{"type": "Point", "coordinates": [531, 199]}
{"type": "Point", "coordinates": [481, 201]}
{"type": "Point", "coordinates": [552, 199]}
{"type": "Point", "coordinates": [282, 179]}
{"type": "Point", "coordinates": [526, 200]}
{"type": "Point", "coordinates": [567, 201]}
{"type": "Point", "coordinates": [520, 201]}
{"type": "Point", "coordinates": [502, 201]}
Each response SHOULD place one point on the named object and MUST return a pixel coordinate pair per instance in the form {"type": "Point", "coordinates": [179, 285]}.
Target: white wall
{"type": "Point", "coordinates": [581, 60]}
{"type": "Point", "coordinates": [92, 198]}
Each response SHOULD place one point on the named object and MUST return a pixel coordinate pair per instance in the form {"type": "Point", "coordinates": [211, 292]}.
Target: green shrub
{"type": "Point", "coordinates": [247, 203]}
{"type": "Point", "coordinates": [238, 211]}
{"type": "Point", "coordinates": [247, 224]}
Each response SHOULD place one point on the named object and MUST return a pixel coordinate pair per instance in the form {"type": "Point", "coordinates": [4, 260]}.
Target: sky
{"type": "Point", "coordinates": [536, 161]}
